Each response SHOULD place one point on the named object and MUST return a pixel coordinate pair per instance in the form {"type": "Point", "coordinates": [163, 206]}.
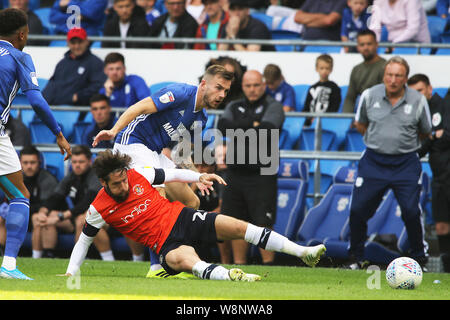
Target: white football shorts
{"type": "Point", "coordinates": [142, 156]}
{"type": "Point", "coordinates": [9, 160]}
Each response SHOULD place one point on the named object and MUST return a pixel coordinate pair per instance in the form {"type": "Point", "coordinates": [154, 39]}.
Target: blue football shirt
{"type": "Point", "coordinates": [176, 113]}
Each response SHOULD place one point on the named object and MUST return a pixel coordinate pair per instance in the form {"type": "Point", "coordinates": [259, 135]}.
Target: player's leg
{"type": "Point", "coordinates": [181, 192]}
{"type": "Point", "coordinates": [229, 228]}
{"type": "Point", "coordinates": [16, 222]}
{"type": "Point", "coordinates": [137, 249]}
{"type": "Point", "coordinates": [49, 234]}
{"type": "Point", "coordinates": [440, 203]}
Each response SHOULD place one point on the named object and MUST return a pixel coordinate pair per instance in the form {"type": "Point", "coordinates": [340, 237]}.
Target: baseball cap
{"type": "Point", "coordinates": [238, 3]}
{"type": "Point", "coordinates": [76, 33]}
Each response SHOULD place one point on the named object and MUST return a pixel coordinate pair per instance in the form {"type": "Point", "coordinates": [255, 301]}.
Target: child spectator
{"type": "Point", "coordinates": [324, 95]}
{"type": "Point", "coordinates": [354, 19]}
{"type": "Point", "coordinates": [278, 88]}
{"type": "Point", "coordinates": [151, 13]}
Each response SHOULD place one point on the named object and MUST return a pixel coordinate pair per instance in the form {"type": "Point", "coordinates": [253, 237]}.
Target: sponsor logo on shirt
{"type": "Point", "coordinates": [137, 210]}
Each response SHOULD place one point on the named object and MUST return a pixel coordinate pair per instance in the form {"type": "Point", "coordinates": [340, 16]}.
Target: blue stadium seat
{"type": "Point", "coordinates": [267, 20]}
{"type": "Point", "coordinates": [68, 118]}
{"type": "Point", "coordinates": [292, 187]}
{"type": "Point", "coordinates": [307, 140]}
{"type": "Point", "coordinates": [58, 43]}
{"type": "Point", "coordinates": [285, 34]}
{"type": "Point", "coordinates": [42, 83]}
{"type": "Point", "coordinates": [326, 220]}
{"type": "Point", "coordinates": [54, 162]}
{"type": "Point", "coordinates": [291, 131]}
{"type": "Point", "coordinates": [411, 51]}
{"type": "Point", "coordinates": [27, 115]}
{"type": "Point", "coordinates": [443, 51]}
{"type": "Point", "coordinates": [301, 91]}
{"type": "Point", "coordinates": [441, 91]}
{"type": "Point", "coordinates": [339, 126]}
{"type": "Point", "coordinates": [158, 86]}
{"type": "Point", "coordinates": [436, 25]}
{"type": "Point", "coordinates": [322, 49]}
{"type": "Point", "coordinates": [78, 130]}
{"type": "Point", "coordinates": [354, 141]}
{"type": "Point", "coordinates": [40, 133]}
{"type": "Point", "coordinates": [44, 16]}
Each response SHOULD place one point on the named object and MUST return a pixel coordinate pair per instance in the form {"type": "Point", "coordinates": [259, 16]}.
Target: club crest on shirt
{"type": "Point", "coordinates": [436, 120]}
{"type": "Point", "coordinates": [80, 70]}
{"type": "Point", "coordinates": [407, 109]}
{"type": "Point", "coordinates": [167, 97]}
{"type": "Point", "coordinates": [138, 189]}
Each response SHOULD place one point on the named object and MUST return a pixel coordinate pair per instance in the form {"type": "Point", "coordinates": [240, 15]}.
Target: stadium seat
{"type": "Point", "coordinates": [42, 83]}
{"type": "Point", "coordinates": [69, 118]}
{"type": "Point", "coordinates": [403, 50]}
{"type": "Point", "coordinates": [78, 130]}
{"type": "Point", "coordinates": [436, 25]}
{"type": "Point", "coordinates": [441, 91]}
{"type": "Point", "coordinates": [326, 220]}
{"type": "Point", "coordinates": [291, 131]}
{"type": "Point", "coordinates": [292, 187]}
{"type": "Point", "coordinates": [339, 126]}
{"type": "Point", "coordinates": [54, 162]}
{"type": "Point", "coordinates": [267, 20]}
{"type": "Point", "coordinates": [322, 49]}
{"type": "Point", "coordinates": [40, 133]}
{"type": "Point", "coordinates": [158, 86]}
{"type": "Point", "coordinates": [443, 51]}
{"type": "Point", "coordinates": [301, 91]}
{"type": "Point", "coordinates": [27, 115]}
{"type": "Point", "coordinates": [58, 43]}
{"type": "Point", "coordinates": [44, 16]}
{"type": "Point", "coordinates": [285, 35]}
{"type": "Point", "coordinates": [307, 139]}
{"type": "Point", "coordinates": [354, 141]}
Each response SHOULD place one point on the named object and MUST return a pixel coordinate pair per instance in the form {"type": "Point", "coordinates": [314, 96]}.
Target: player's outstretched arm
{"type": "Point", "coordinates": [145, 106]}
{"type": "Point", "coordinates": [80, 249]}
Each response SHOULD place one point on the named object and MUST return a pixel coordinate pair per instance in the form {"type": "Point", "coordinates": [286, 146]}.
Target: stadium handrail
{"type": "Point", "coordinates": [287, 42]}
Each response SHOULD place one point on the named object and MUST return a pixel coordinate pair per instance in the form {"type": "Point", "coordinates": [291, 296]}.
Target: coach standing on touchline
{"type": "Point", "coordinates": [392, 118]}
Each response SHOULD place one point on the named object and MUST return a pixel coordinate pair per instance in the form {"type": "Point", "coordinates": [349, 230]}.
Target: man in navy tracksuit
{"type": "Point", "coordinates": [78, 76]}
{"type": "Point", "coordinates": [392, 118]}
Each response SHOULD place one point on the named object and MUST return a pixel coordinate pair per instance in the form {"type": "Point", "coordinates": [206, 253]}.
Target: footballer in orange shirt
{"type": "Point", "coordinates": [129, 203]}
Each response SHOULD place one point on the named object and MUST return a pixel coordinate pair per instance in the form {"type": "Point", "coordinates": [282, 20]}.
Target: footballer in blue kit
{"type": "Point", "coordinates": [17, 71]}
{"type": "Point", "coordinates": [147, 127]}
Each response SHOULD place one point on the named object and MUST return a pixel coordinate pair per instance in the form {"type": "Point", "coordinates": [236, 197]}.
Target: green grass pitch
{"type": "Point", "coordinates": [123, 280]}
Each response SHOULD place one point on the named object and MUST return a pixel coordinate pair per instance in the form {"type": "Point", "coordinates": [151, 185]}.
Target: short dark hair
{"type": "Point", "coordinates": [82, 149]}
{"type": "Point", "coordinates": [366, 32]}
{"type": "Point", "coordinates": [11, 20]}
{"type": "Point", "coordinates": [30, 150]}
{"type": "Point", "coordinates": [108, 162]}
{"type": "Point", "coordinates": [114, 57]}
{"type": "Point", "coordinates": [272, 73]}
{"type": "Point", "coordinates": [99, 97]}
{"type": "Point", "coordinates": [221, 71]}
{"type": "Point", "coordinates": [419, 77]}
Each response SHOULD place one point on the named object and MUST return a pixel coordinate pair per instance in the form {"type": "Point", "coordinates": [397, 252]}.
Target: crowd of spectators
{"type": "Point", "coordinates": [393, 21]}
{"type": "Point", "coordinates": [81, 78]}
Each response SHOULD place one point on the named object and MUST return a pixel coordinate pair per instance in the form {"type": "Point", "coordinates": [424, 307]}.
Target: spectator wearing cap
{"type": "Point", "coordinates": [242, 25]}
{"type": "Point", "coordinates": [123, 90]}
{"type": "Point", "coordinates": [213, 26]}
{"type": "Point", "coordinates": [176, 23]}
{"type": "Point", "coordinates": [129, 20]}
{"type": "Point", "coordinates": [78, 75]}
{"type": "Point", "coordinates": [92, 15]}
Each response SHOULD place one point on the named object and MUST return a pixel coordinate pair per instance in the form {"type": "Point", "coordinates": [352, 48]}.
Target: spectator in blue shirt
{"type": "Point", "coordinates": [151, 13]}
{"type": "Point", "coordinates": [92, 15]}
{"type": "Point", "coordinates": [103, 119]}
{"type": "Point", "coordinates": [278, 88]}
{"type": "Point", "coordinates": [123, 90]}
{"type": "Point", "coordinates": [354, 20]}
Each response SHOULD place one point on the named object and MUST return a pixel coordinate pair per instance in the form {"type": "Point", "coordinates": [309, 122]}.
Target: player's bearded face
{"type": "Point", "coordinates": [215, 92]}
{"type": "Point", "coordinates": [117, 186]}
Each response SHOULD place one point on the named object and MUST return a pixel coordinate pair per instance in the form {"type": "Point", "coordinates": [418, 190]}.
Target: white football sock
{"type": "Point", "coordinates": [272, 241]}
{"type": "Point", "coordinates": [37, 254]}
{"type": "Point", "coordinates": [210, 271]}
{"type": "Point", "coordinates": [107, 255]}
{"type": "Point", "coordinates": [138, 258]}
{"type": "Point", "coordinates": [9, 263]}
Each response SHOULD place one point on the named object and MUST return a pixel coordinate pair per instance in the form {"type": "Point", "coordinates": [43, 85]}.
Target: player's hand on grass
{"type": "Point", "coordinates": [103, 135]}
{"type": "Point", "coordinates": [64, 146]}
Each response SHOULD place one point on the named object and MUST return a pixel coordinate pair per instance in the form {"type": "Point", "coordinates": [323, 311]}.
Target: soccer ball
{"type": "Point", "coordinates": [404, 273]}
